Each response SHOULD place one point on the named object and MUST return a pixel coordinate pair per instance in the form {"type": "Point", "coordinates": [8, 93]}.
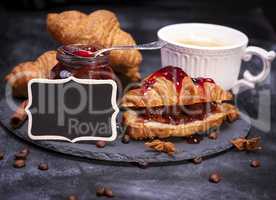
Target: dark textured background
{"type": "Point", "coordinates": [23, 36]}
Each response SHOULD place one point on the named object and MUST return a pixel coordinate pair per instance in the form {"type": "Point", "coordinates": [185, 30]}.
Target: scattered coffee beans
{"type": "Point", "coordinates": [213, 135]}
{"type": "Point", "coordinates": [100, 144]}
{"type": "Point", "coordinates": [126, 139]}
{"type": "Point", "coordinates": [43, 166]}
{"type": "Point", "coordinates": [255, 163]}
{"type": "Point", "coordinates": [19, 163]}
{"type": "Point", "coordinates": [215, 177]}
{"type": "Point", "coordinates": [103, 191]}
{"type": "Point", "coordinates": [197, 160]}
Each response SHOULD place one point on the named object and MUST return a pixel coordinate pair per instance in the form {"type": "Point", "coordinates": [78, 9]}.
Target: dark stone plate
{"type": "Point", "coordinates": [135, 151]}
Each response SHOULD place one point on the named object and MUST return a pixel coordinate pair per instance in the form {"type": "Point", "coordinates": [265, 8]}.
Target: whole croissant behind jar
{"type": "Point", "coordinates": [102, 28]}
{"type": "Point", "coordinates": [20, 75]}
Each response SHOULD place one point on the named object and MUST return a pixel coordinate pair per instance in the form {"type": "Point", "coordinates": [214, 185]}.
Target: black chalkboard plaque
{"type": "Point", "coordinates": [72, 109]}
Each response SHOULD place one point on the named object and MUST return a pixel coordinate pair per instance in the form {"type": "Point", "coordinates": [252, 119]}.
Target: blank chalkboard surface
{"type": "Point", "coordinates": [72, 109]}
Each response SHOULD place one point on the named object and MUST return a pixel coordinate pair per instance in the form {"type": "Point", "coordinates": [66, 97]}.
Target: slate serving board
{"type": "Point", "coordinates": [134, 151]}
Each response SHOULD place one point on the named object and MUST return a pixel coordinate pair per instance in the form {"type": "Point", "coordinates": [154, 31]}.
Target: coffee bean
{"type": "Point", "coordinates": [19, 163]}
{"type": "Point", "coordinates": [100, 191]}
{"type": "Point", "coordinates": [72, 197]}
{"type": "Point", "coordinates": [108, 192]}
{"type": "Point", "coordinates": [255, 163]}
{"type": "Point", "coordinates": [197, 160]}
{"type": "Point", "coordinates": [100, 144]}
{"type": "Point", "coordinates": [126, 139]}
{"type": "Point", "coordinates": [213, 135]}
{"type": "Point", "coordinates": [215, 177]}
{"type": "Point", "coordinates": [2, 155]}
{"type": "Point", "coordinates": [20, 156]}
{"type": "Point", "coordinates": [43, 166]}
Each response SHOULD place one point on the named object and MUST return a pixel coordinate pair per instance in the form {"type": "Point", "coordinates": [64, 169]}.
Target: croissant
{"type": "Point", "coordinates": [159, 90]}
{"type": "Point", "coordinates": [169, 103]}
{"type": "Point", "coordinates": [101, 28]}
{"type": "Point", "coordinates": [139, 129]}
{"type": "Point", "coordinates": [22, 73]}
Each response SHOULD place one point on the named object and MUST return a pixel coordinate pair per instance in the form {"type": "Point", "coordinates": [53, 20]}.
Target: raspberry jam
{"type": "Point", "coordinates": [83, 53]}
{"type": "Point", "coordinates": [79, 61]}
{"type": "Point", "coordinates": [178, 114]}
{"type": "Point", "coordinates": [174, 74]}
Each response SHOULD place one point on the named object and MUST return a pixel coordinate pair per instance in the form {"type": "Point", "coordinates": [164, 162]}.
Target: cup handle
{"type": "Point", "coordinates": [249, 80]}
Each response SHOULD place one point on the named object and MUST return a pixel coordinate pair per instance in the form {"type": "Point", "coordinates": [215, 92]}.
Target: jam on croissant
{"type": "Point", "coordinates": [178, 114]}
{"type": "Point", "coordinates": [169, 103]}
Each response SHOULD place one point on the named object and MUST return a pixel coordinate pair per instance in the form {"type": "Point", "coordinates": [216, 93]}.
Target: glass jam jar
{"type": "Point", "coordinates": [79, 61]}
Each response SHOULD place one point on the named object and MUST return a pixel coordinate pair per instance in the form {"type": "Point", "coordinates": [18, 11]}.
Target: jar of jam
{"type": "Point", "coordinates": [79, 61]}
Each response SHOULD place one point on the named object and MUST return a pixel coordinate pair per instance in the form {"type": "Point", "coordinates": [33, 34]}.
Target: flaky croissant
{"type": "Point", "coordinates": [165, 92]}
{"type": "Point", "coordinates": [102, 28]}
{"type": "Point", "coordinates": [22, 73]}
{"type": "Point", "coordinates": [138, 129]}
{"type": "Point", "coordinates": [152, 114]}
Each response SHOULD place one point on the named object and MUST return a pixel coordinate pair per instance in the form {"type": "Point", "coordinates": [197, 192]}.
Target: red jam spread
{"type": "Point", "coordinates": [174, 74]}
{"type": "Point", "coordinates": [83, 53]}
{"type": "Point", "coordinates": [178, 114]}
{"type": "Point", "coordinates": [79, 61]}
{"type": "Point", "coordinates": [87, 51]}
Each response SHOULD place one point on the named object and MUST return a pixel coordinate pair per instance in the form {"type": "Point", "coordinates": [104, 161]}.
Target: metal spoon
{"type": "Point", "coordinates": [148, 46]}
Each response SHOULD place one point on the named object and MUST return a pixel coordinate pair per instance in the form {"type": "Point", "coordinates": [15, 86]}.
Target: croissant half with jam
{"type": "Point", "coordinates": [170, 103]}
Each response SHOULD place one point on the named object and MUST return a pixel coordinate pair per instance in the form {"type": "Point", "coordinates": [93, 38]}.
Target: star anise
{"type": "Point", "coordinates": [162, 146]}
{"type": "Point", "coordinates": [251, 144]}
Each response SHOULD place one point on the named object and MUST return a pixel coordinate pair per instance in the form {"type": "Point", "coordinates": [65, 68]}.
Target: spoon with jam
{"type": "Point", "coordinates": [95, 53]}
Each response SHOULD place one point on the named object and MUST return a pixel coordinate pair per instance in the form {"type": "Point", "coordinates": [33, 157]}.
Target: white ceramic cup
{"type": "Point", "coordinates": [222, 63]}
